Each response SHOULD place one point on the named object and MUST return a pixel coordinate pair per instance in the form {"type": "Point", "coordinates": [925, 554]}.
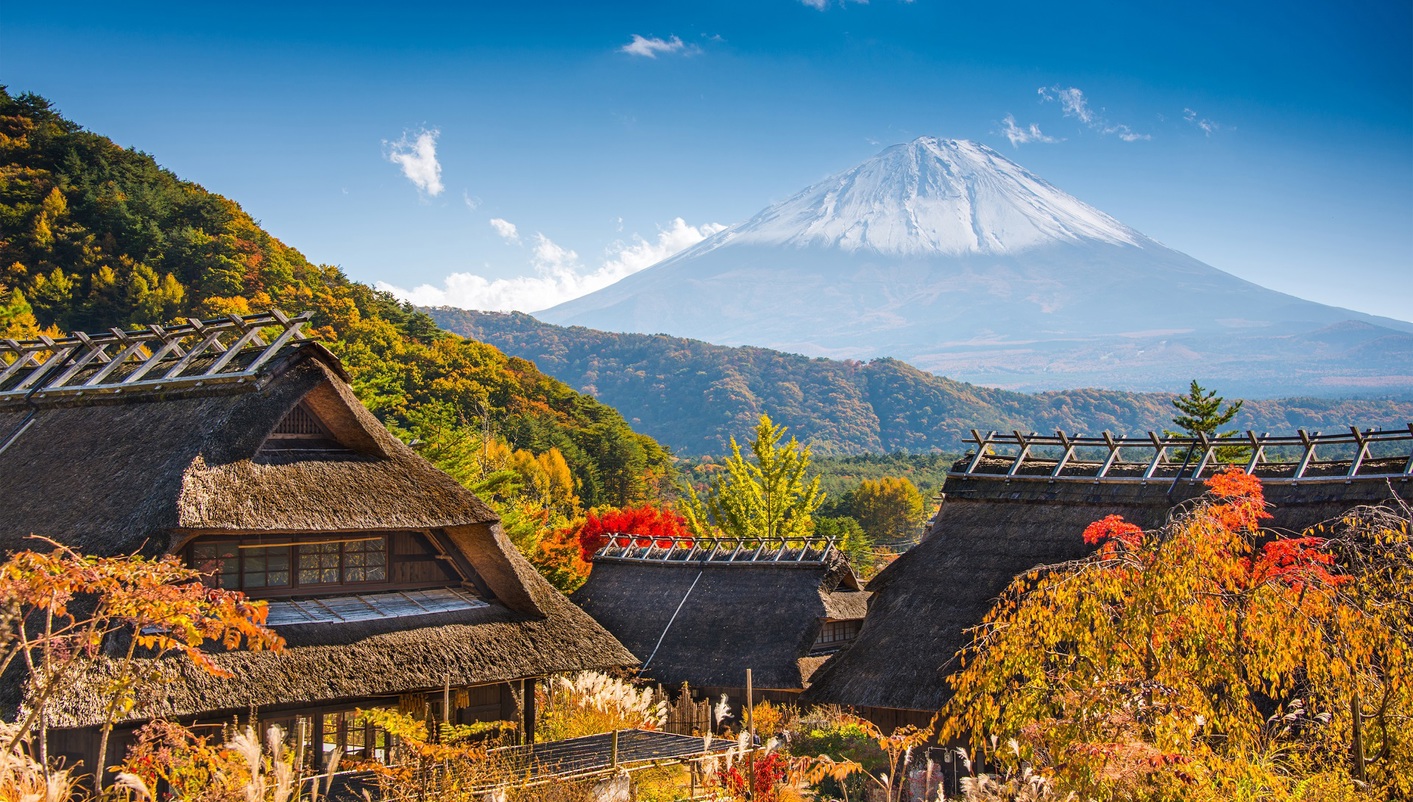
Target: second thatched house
{"type": "Point", "coordinates": [1006, 513]}
{"type": "Point", "coordinates": [240, 448]}
{"type": "Point", "coordinates": [704, 612]}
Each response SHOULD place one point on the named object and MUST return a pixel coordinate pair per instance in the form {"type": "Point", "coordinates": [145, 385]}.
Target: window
{"type": "Point", "coordinates": [266, 567]}
{"type": "Point", "coordinates": [334, 563]}
{"type": "Point", "coordinates": [837, 632]}
{"type": "Point", "coordinates": [221, 561]}
{"type": "Point", "coordinates": [254, 566]}
{"type": "Point", "coordinates": [319, 564]}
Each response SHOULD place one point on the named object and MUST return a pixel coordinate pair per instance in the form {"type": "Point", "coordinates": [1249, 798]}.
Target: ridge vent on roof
{"type": "Point", "coordinates": [1304, 456]}
{"type": "Point", "coordinates": [720, 550]}
{"type": "Point", "coordinates": [228, 349]}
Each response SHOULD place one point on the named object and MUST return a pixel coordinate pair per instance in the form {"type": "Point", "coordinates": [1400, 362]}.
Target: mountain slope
{"type": "Point", "coordinates": [950, 257]}
{"type": "Point", "coordinates": [693, 396]}
{"type": "Point", "coordinates": [93, 235]}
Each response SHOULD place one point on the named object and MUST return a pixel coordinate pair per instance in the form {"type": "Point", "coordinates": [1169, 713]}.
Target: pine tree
{"type": "Point", "coordinates": [1201, 412]}
{"type": "Point", "coordinates": [767, 497]}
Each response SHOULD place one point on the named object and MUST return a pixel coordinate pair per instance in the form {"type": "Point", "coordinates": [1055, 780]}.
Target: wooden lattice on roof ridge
{"type": "Point", "coordinates": [157, 357]}
{"type": "Point", "coordinates": [723, 550]}
{"type": "Point", "coordinates": [1358, 453]}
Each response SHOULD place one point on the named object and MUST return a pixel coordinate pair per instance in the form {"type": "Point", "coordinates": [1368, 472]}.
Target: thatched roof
{"type": "Point", "coordinates": [764, 616]}
{"type": "Point", "coordinates": [987, 531]}
{"type": "Point", "coordinates": [144, 470]}
{"type": "Point", "coordinates": [112, 475]}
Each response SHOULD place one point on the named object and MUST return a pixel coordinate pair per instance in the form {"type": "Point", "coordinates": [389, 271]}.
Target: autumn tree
{"type": "Point", "coordinates": [890, 508]}
{"type": "Point", "coordinates": [63, 613]}
{"type": "Point", "coordinates": [1201, 661]}
{"type": "Point", "coordinates": [764, 496]}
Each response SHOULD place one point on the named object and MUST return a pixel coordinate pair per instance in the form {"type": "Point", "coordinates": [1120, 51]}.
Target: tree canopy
{"type": "Point", "coordinates": [765, 496]}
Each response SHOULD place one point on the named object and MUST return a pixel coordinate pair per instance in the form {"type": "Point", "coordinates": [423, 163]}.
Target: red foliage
{"type": "Point", "coordinates": [770, 772]}
{"type": "Point", "coordinates": [1295, 561]}
{"type": "Point", "coordinates": [1112, 529]}
{"type": "Point", "coordinates": [652, 524]}
{"type": "Point", "coordinates": [1243, 504]}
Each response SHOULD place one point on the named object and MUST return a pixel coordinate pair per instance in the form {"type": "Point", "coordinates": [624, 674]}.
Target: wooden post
{"type": "Point", "coordinates": [446, 701]}
{"type": "Point", "coordinates": [528, 723]}
{"type": "Point", "coordinates": [613, 755]}
{"type": "Point", "coordinates": [751, 728]}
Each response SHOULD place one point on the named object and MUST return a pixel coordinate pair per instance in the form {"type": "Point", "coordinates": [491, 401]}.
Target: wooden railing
{"type": "Point", "coordinates": [157, 357]}
{"type": "Point", "coordinates": [642, 548]}
{"type": "Point", "coordinates": [1357, 453]}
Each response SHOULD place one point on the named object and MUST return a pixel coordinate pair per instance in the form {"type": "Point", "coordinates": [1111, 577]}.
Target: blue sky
{"type": "Point", "coordinates": [1271, 140]}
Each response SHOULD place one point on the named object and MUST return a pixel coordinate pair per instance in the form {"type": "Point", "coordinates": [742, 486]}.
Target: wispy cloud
{"type": "Point", "coordinates": [505, 229]}
{"type": "Point", "coordinates": [650, 47]}
{"type": "Point", "coordinates": [558, 274]}
{"type": "Point", "coordinates": [1207, 126]}
{"type": "Point", "coordinates": [1023, 135]}
{"type": "Point", "coordinates": [1074, 104]}
{"type": "Point", "coordinates": [416, 154]}
{"type": "Point", "coordinates": [823, 4]}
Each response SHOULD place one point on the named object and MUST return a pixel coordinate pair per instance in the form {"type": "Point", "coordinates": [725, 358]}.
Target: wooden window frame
{"type": "Point", "coordinates": [296, 588]}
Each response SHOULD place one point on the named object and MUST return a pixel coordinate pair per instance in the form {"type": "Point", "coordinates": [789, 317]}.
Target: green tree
{"type": "Point", "coordinates": [890, 508]}
{"type": "Point", "coordinates": [1201, 412]}
{"type": "Point", "coordinates": [849, 538]}
{"type": "Point", "coordinates": [764, 497]}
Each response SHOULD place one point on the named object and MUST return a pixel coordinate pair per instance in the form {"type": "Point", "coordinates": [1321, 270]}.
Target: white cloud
{"type": "Point", "coordinates": [471, 203]}
{"type": "Point", "coordinates": [1206, 125]}
{"type": "Point", "coordinates": [416, 154]}
{"type": "Point", "coordinates": [1020, 136]}
{"type": "Point", "coordinates": [1074, 104]}
{"type": "Point", "coordinates": [823, 4]}
{"type": "Point", "coordinates": [505, 229]}
{"type": "Point", "coordinates": [558, 274]}
{"type": "Point", "coordinates": [651, 46]}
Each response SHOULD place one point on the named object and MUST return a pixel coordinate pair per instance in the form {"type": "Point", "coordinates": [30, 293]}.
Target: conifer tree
{"type": "Point", "coordinates": [1201, 412]}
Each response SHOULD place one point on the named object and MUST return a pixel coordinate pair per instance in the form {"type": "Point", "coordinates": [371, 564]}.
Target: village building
{"type": "Point", "coordinates": [238, 445]}
{"type": "Point", "coordinates": [704, 611]}
{"type": "Point", "coordinates": [1021, 501]}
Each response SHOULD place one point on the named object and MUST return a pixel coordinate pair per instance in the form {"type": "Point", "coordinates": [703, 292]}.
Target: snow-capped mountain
{"type": "Point", "coordinates": [931, 196]}
{"type": "Point", "coordinates": [947, 255]}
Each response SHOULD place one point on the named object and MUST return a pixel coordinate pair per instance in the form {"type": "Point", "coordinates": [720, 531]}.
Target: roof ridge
{"type": "Point", "coordinates": [230, 349]}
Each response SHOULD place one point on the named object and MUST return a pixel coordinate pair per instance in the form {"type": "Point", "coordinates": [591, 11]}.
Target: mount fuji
{"type": "Point", "coordinates": [947, 255]}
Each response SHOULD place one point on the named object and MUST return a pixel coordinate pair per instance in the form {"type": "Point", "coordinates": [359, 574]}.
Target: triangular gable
{"type": "Point", "coordinates": [320, 424]}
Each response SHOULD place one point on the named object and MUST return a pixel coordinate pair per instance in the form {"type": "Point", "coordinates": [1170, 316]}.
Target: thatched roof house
{"type": "Point", "coordinates": [255, 461]}
{"type": "Point", "coordinates": [703, 613]}
{"type": "Point", "coordinates": [1003, 515]}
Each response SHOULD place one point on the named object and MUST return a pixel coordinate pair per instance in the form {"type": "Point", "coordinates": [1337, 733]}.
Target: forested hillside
{"type": "Point", "coordinates": [693, 396]}
{"type": "Point", "coordinates": [93, 236]}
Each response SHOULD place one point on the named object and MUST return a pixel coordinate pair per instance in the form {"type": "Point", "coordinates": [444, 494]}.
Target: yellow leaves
{"type": "Point", "coordinates": [1179, 646]}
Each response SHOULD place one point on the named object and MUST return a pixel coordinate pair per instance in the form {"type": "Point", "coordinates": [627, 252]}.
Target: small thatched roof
{"type": "Point", "coordinates": [989, 530]}
{"type": "Point", "coordinates": [764, 616]}
{"type": "Point", "coordinates": [144, 469]}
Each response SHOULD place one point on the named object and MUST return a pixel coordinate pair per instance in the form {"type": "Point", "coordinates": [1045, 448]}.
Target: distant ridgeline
{"type": "Point", "coordinates": [693, 396]}
{"type": "Point", "coordinates": [94, 236]}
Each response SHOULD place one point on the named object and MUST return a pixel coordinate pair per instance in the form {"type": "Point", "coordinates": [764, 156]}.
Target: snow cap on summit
{"type": "Point", "coordinates": [930, 196]}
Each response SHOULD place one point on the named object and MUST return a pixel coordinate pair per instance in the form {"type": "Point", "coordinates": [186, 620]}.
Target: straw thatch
{"type": "Point", "coordinates": [762, 616]}
{"type": "Point", "coordinates": [145, 472]}
{"type": "Point", "coordinates": [987, 531]}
